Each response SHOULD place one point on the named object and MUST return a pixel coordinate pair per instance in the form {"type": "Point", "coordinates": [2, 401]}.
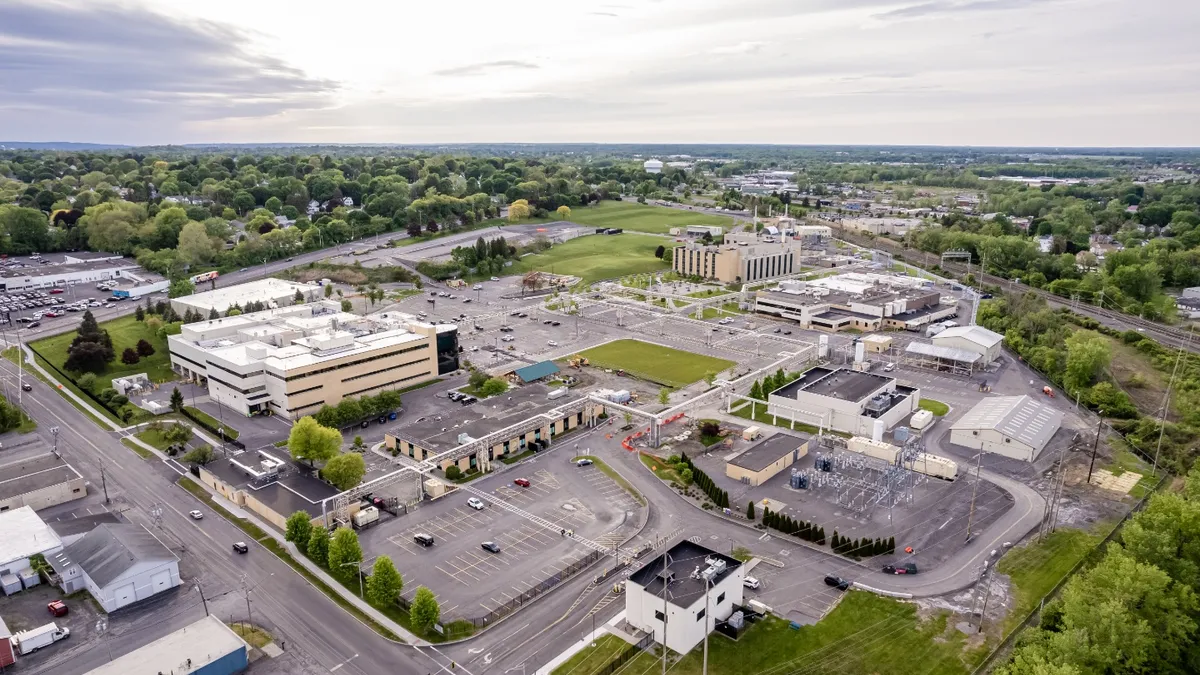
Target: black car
{"type": "Point", "coordinates": [837, 582]}
{"type": "Point", "coordinates": [986, 296]}
{"type": "Point", "coordinates": [382, 419]}
{"type": "Point", "coordinates": [906, 568]}
{"type": "Point", "coordinates": [34, 324]}
{"type": "Point", "coordinates": [506, 329]}
{"type": "Point", "coordinates": [548, 322]}
{"type": "Point", "coordinates": [241, 547]}
{"type": "Point", "coordinates": [555, 323]}
{"type": "Point", "coordinates": [491, 546]}
{"type": "Point", "coordinates": [26, 387]}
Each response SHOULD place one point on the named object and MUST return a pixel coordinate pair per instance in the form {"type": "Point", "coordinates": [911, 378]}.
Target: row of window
{"type": "Point", "coordinates": [348, 364]}
{"type": "Point", "coordinates": [384, 370]}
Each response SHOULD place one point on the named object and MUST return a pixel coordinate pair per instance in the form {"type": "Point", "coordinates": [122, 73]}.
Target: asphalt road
{"type": "Point", "coordinates": [318, 635]}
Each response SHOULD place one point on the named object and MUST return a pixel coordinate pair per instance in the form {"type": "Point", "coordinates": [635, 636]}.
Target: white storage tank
{"type": "Point", "coordinates": [557, 393]}
{"type": "Point", "coordinates": [920, 419]}
{"type": "Point", "coordinates": [877, 429]}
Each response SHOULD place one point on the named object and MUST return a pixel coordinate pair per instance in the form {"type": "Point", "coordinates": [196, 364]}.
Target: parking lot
{"type": "Point", "coordinates": [470, 581]}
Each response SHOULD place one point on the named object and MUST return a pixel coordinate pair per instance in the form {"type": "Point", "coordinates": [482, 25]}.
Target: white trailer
{"type": "Point", "coordinates": [29, 641]}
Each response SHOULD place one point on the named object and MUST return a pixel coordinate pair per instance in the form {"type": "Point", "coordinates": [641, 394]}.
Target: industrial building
{"type": "Point", "coordinates": [73, 268]}
{"type": "Point", "coordinates": [940, 358]}
{"type": "Point", "coordinates": [531, 423]}
{"type": "Point", "coordinates": [859, 403]}
{"type": "Point", "coordinates": [293, 360]}
{"type": "Point", "coordinates": [118, 564]}
{"type": "Point", "coordinates": [268, 484]}
{"type": "Point", "coordinates": [761, 462]}
{"type": "Point", "coordinates": [881, 226]}
{"type": "Point", "coordinates": [736, 262]}
{"type": "Point", "coordinates": [652, 166]}
{"type": "Point", "coordinates": [681, 595]}
{"type": "Point", "coordinates": [836, 304]}
{"type": "Point", "coordinates": [975, 339]}
{"type": "Point", "coordinates": [39, 482]}
{"type": "Point", "coordinates": [270, 292]}
{"type": "Point", "coordinates": [24, 535]}
{"type": "Point", "coordinates": [206, 647]}
{"type": "Point", "coordinates": [1014, 426]}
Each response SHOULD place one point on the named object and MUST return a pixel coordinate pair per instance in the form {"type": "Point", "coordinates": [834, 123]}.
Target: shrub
{"type": "Point", "coordinates": [453, 472]}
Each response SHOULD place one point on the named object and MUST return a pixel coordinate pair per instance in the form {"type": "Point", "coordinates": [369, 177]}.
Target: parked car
{"type": "Point", "coordinates": [507, 338]}
{"type": "Point", "coordinates": [495, 279]}
{"type": "Point", "coordinates": [523, 482]}
{"type": "Point", "coordinates": [56, 291]}
{"type": "Point", "coordinates": [475, 503]}
{"type": "Point", "coordinates": [196, 515]}
{"type": "Point", "coordinates": [555, 323]}
{"type": "Point", "coordinates": [751, 582]}
{"type": "Point", "coordinates": [583, 462]}
{"type": "Point", "coordinates": [906, 568]}
{"type": "Point", "coordinates": [506, 329]}
{"type": "Point", "coordinates": [34, 324]}
{"type": "Point", "coordinates": [889, 367]}
{"type": "Point", "coordinates": [423, 539]}
{"type": "Point", "coordinates": [837, 582]}
{"type": "Point", "coordinates": [240, 547]}
{"type": "Point", "coordinates": [552, 343]}
{"type": "Point", "coordinates": [57, 608]}
{"type": "Point", "coordinates": [490, 547]}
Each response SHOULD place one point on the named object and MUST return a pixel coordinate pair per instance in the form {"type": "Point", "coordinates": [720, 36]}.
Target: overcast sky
{"type": "Point", "coordinates": [948, 72]}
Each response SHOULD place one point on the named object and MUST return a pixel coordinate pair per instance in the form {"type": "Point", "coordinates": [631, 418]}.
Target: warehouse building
{"type": "Point", "coordinates": [24, 535]}
{"type": "Point", "coordinates": [270, 292]}
{"type": "Point", "coordinates": [206, 647]}
{"type": "Point", "coordinates": [834, 305]}
{"type": "Point", "coordinates": [39, 482]}
{"type": "Point", "coordinates": [118, 564]}
{"type": "Point", "coordinates": [976, 339]}
{"type": "Point", "coordinates": [858, 403]}
{"type": "Point", "coordinates": [1014, 426]}
{"type": "Point", "coordinates": [18, 274]}
{"type": "Point", "coordinates": [763, 461]}
{"type": "Point", "coordinates": [681, 595]}
{"type": "Point", "coordinates": [293, 360]}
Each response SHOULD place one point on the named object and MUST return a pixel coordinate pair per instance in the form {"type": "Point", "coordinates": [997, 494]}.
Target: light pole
{"type": "Point", "coordinates": [54, 431]}
{"type": "Point", "coordinates": [356, 563]}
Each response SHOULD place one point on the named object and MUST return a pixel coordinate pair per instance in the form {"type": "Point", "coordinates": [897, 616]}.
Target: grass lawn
{"type": "Point", "coordinates": [591, 659]}
{"type": "Point", "coordinates": [125, 332]}
{"type": "Point", "coordinates": [230, 432]}
{"type": "Point", "coordinates": [725, 310]}
{"type": "Point", "coordinates": [12, 355]}
{"type": "Point", "coordinates": [761, 416]}
{"type": "Point", "coordinates": [611, 473]}
{"type": "Point", "coordinates": [142, 452]}
{"type": "Point", "coordinates": [596, 257]}
{"type": "Point", "coordinates": [708, 293]}
{"type": "Point", "coordinates": [864, 634]}
{"type": "Point", "coordinates": [445, 232]}
{"type": "Point", "coordinates": [660, 468]}
{"type": "Point", "coordinates": [936, 407]}
{"type": "Point", "coordinates": [253, 635]}
{"type": "Point", "coordinates": [656, 363]}
{"type": "Point", "coordinates": [642, 217]}
{"type": "Point", "coordinates": [153, 437]}
{"type": "Point", "coordinates": [1035, 568]}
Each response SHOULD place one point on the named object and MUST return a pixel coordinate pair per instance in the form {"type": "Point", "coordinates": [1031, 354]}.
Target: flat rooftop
{"type": "Point", "coordinates": [34, 473]}
{"type": "Point", "coordinates": [189, 649]}
{"type": "Point", "coordinates": [681, 560]}
{"type": "Point", "coordinates": [480, 419]}
{"type": "Point", "coordinates": [262, 290]}
{"type": "Point", "coordinates": [295, 490]}
{"type": "Point", "coordinates": [842, 383]}
{"type": "Point", "coordinates": [767, 452]}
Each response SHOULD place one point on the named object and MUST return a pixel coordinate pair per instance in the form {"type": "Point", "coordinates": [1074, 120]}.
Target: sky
{"type": "Point", "coordinates": [938, 72]}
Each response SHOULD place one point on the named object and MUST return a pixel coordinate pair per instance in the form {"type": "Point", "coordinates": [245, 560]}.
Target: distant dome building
{"type": "Point", "coordinates": [652, 166]}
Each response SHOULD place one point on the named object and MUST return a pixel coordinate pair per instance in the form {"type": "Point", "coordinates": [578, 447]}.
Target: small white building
{"type": "Point", "coordinates": [680, 596]}
{"type": "Point", "coordinates": [840, 399]}
{"type": "Point", "coordinates": [271, 292]}
{"type": "Point", "coordinates": [652, 166]}
{"type": "Point", "coordinates": [118, 564]}
{"type": "Point", "coordinates": [23, 535]}
{"type": "Point", "coordinates": [975, 339]}
{"type": "Point", "coordinates": [1014, 426]}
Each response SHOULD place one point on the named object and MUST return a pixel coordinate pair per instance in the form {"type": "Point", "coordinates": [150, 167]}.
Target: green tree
{"type": "Point", "coordinates": [563, 212]}
{"type": "Point", "coordinates": [494, 386]}
{"type": "Point", "coordinates": [139, 314]}
{"type": "Point", "coordinates": [201, 454]}
{"type": "Point", "coordinates": [476, 378]}
{"type": "Point", "coordinates": [664, 395]}
{"type": "Point", "coordinates": [453, 472]}
{"type": "Point", "coordinates": [756, 391]}
{"type": "Point", "coordinates": [425, 611]}
{"type": "Point", "coordinates": [750, 510]}
{"type": "Point", "coordinates": [385, 583]}
{"type": "Point", "coordinates": [318, 546]}
{"type": "Point", "coordinates": [195, 246]}
{"type": "Point", "coordinates": [180, 288]}
{"type": "Point", "coordinates": [709, 378]}
{"type": "Point", "coordinates": [1087, 356]}
{"type": "Point", "coordinates": [311, 442]}
{"type": "Point", "coordinates": [299, 528]}
{"type": "Point", "coordinates": [347, 306]}
{"type": "Point", "coordinates": [86, 381]}
{"type": "Point", "coordinates": [1166, 534]}
{"type": "Point", "coordinates": [345, 471]}
{"type": "Point", "coordinates": [176, 399]}
{"type": "Point", "coordinates": [328, 290]}
{"type": "Point", "coordinates": [686, 476]}
{"type": "Point", "coordinates": [345, 554]}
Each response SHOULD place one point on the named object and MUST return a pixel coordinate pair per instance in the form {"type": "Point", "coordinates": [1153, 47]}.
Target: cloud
{"type": "Point", "coordinates": [739, 48]}
{"type": "Point", "coordinates": [481, 68]}
{"type": "Point", "coordinates": [604, 14]}
{"type": "Point", "coordinates": [127, 61]}
{"type": "Point", "coordinates": [941, 7]}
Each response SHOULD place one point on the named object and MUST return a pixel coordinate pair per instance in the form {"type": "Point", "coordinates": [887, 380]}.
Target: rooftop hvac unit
{"type": "Point", "coordinates": [879, 403]}
{"type": "Point", "coordinates": [709, 574]}
{"type": "Point", "coordinates": [737, 620]}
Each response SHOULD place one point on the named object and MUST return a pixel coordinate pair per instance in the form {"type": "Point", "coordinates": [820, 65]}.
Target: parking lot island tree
{"type": "Point", "coordinates": [425, 611]}
{"type": "Point", "coordinates": [385, 583]}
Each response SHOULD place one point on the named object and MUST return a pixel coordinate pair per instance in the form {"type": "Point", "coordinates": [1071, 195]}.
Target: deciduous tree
{"type": "Point", "coordinates": [311, 442]}
{"type": "Point", "coordinates": [318, 546]}
{"type": "Point", "coordinates": [345, 471]}
{"type": "Point", "coordinates": [299, 528]}
{"type": "Point", "coordinates": [385, 583]}
{"type": "Point", "coordinates": [425, 611]}
{"type": "Point", "coordinates": [345, 554]}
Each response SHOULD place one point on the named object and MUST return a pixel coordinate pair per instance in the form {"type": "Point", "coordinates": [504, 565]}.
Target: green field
{"type": "Point", "coordinates": [865, 634]}
{"type": "Point", "coordinates": [936, 407]}
{"type": "Point", "coordinates": [597, 257]}
{"type": "Point", "coordinates": [1036, 567]}
{"type": "Point", "coordinates": [656, 363]}
{"type": "Point", "coordinates": [594, 656]}
{"type": "Point", "coordinates": [125, 332]}
{"type": "Point", "coordinates": [642, 217]}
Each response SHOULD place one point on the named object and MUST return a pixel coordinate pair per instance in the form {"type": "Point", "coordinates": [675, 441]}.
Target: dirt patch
{"type": "Point", "coordinates": [342, 276]}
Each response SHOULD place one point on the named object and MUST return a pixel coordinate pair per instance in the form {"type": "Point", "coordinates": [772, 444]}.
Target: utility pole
{"type": "Point", "coordinates": [987, 593]}
{"type": "Point", "coordinates": [54, 432]}
{"type": "Point", "coordinates": [974, 492]}
{"type": "Point", "coordinates": [707, 593]}
{"type": "Point", "coordinates": [666, 580]}
{"type": "Point", "coordinates": [103, 481]}
{"type": "Point", "coordinates": [202, 598]}
{"type": "Point", "coordinates": [1095, 446]}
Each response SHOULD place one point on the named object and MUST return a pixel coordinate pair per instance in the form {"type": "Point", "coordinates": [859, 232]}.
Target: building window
{"type": "Point", "coordinates": [720, 598]}
{"type": "Point", "coordinates": [658, 615]}
{"type": "Point", "coordinates": [700, 615]}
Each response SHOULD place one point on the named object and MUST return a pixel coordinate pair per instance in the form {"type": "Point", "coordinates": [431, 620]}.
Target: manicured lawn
{"type": "Point", "coordinates": [936, 407]}
{"type": "Point", "coordinates": [660, 468]}
{"type": "Point", "coordinates": [708, 293]}
{"type": "Point", "coordinates": [12, 354]}
{"type": "Point", "coordinates": [142, 452]}
{"type": "Point", "coordinates": [253, 635]}
{"type": "Point", "coordinates": [760, 415]}
{"type": "Point", "coordinates": [596, 257]}
{"type": "Point", "coordinates": [1035, 568]}
{"type": "Point", "coordinates": [591, 659]}
{"type": "Point", "coordinates": [125, 332]}
{"type": "Point", "coordinates": [611, 473]}
{"type": "Point", "coordinates": [153, 437]}
{"type": "Point", "coordinates": [865, 635]}
{"type": "Point", "coordinates": [726, 309]}
{"type": "Point", "coordinates": [664, 365]}
{"type": "Point", "coordinates": [214, 423]}
{"type": "Point", "coordinates": [642, 217]}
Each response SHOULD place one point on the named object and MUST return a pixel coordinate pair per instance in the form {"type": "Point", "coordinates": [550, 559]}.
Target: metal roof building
{"type": "Point", "coordinates": [24, 535]}
{"type": "Point", "coordinates": [1013, 426]}
{"type": "Point", "coordinates": [206, 647]}
{"type": "Point", "coordinates": [536, 372]}
{"type": "Point", "coordinates": [976, 339]}
{"type": "Point", "coordinates": [118, 564]}
{"type": "Point", "coordinates": [941, 358]}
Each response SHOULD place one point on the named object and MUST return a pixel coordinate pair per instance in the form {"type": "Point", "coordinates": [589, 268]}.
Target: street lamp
{"type": "Point", "coordinates": [356, 563]}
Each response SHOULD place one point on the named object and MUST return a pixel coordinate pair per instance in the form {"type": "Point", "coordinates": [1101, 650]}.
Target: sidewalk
{"type": "Point", "coordinates": [579, 645]}
{"type": "Point", "coordinates": [31, 362]}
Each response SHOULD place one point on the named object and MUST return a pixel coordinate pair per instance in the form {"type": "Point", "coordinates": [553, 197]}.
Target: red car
{"type": "Point", "coordinates": [523, 482]}
{"type": "Point", "coordinates": [56, 291]}
{"type": "Point", "coordinates": [57, 608]}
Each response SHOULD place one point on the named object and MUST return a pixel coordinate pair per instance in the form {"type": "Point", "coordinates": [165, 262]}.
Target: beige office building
{"type": "Point", "coordinates": [736, 262]}
{"type": "Point", "coordinates": [291, 361]}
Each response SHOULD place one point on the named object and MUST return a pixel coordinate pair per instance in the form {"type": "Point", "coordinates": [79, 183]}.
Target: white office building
{"type": "Point", "coordinates": [680, 596]}
{"type": "Point", "coordinates": [858, 403]}
{"type": "Point", "coordinates": [270, 292]}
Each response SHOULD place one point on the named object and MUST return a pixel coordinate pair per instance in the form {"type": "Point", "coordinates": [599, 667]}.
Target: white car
{"type": "Point", "coordinates": [507, 338]}
{"type": "Point", "coordinates": [196, 515]}
{"type": "Point", "coordinates": [552, 343]}
{"type": "Point", "coordinates": [477, 287]}
{"type": "Point", "coordinates": [889, 367]}
{"type": "Point", "coordinates": [751, 582]}
{"type": "Point", "coordinates": [475, 503]}
{"type": "Point", "coordinates": [495, 278]}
